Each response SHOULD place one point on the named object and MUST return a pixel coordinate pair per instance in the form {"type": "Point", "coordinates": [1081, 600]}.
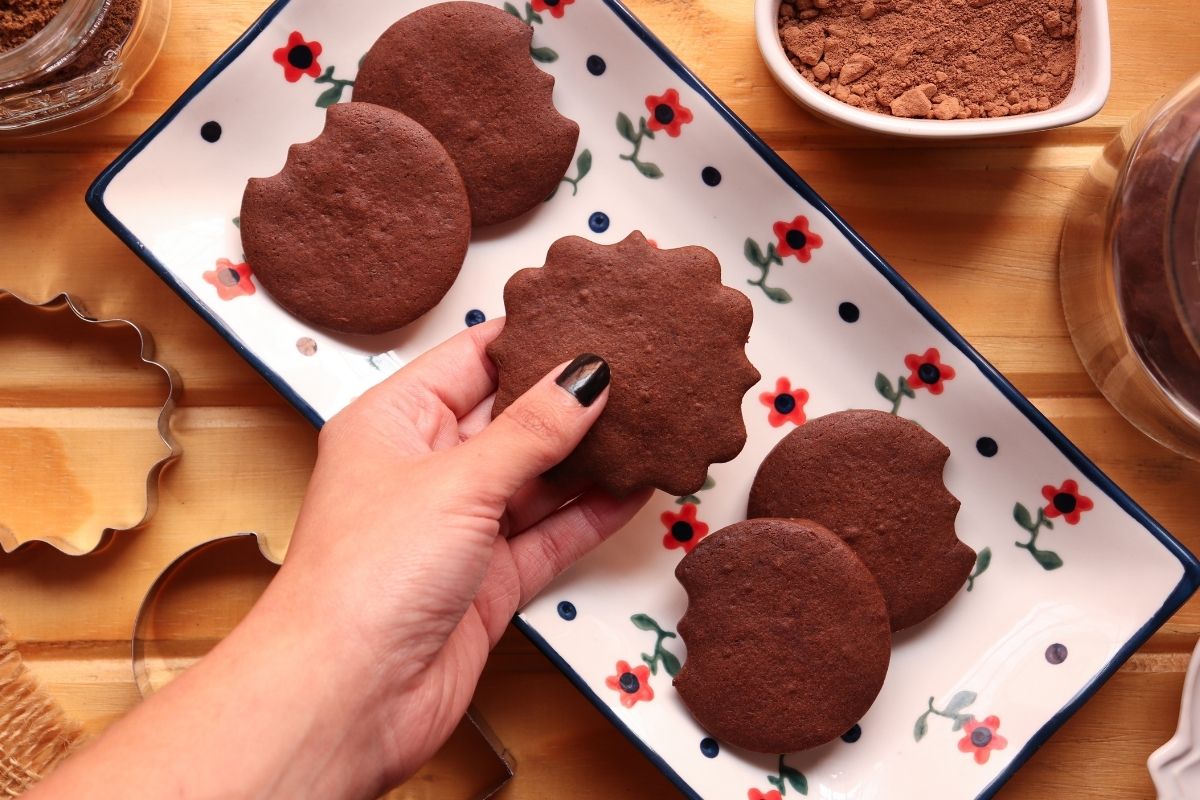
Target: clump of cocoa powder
{"type": "Point", "coordinates": [934, 59]}
{"type": "Point", "coordinates": [21, 19]}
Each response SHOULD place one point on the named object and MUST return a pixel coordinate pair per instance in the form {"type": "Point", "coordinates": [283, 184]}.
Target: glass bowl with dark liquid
{"type": "Point", "coordinates": [1129, 270]}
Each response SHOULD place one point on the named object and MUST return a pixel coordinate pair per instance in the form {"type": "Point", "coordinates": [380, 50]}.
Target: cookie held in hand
{"type": "Point", "coordinates": [874, 479]}
{"type": "Point", "coordinates": [462, 69]}
{"type": "Point", "coordinates": [364, 229]}
{"type": "Point", "coordinates": [787, 635]}
{"type": "Point", "coordinates": [674, 337]}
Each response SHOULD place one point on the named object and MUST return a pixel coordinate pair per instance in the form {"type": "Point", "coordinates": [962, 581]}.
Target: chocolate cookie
{"type": "Point", "coordinates": [674, 337]}
{"type": "Point", "coordinates": [365, 228]}
{"type": "Point", "coordinates": [463, 71]}
{"type": "Point", "coordinates": [876, 480]}
{"type": "Point", "coordinates": [787, 635]}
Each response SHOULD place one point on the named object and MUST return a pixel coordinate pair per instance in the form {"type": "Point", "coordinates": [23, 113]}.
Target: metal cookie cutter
{"type": "Point", "coordinates": [241, 565]}
{"type": "Point", "coordinates": [11, 541]}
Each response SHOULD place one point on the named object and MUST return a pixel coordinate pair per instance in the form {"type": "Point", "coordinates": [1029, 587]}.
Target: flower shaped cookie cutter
{"type": "Point", "coordinates": [79, 542]}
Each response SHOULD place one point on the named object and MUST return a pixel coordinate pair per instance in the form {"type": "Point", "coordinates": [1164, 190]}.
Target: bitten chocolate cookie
{"type": "Point", "coordinates": [675, 340]}
{"type": "Point", "coordinates": [463, 70]}
{"type": "Point", "coordinates": [876, 480]}
{"type": "Point", "coordinates": [365, 228]}
{"type": "Point", "coordinates": [787, 635]}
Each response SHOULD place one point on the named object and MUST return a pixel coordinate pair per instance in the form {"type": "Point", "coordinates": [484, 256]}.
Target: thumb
{"type": "Point", "coordinates": [539, 429]}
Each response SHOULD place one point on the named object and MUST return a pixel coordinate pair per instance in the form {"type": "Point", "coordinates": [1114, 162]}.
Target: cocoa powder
{"type": "Point", "coordinates": [21, 19]}
{"type": "Point", "coordinates": [934, 59]}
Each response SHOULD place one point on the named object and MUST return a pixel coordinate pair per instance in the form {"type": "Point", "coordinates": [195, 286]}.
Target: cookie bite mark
{"type": "Point", "coordinates": [674, 337]}
{"type": "Point", "coordinates": [463, 70]}
{"type": "Point", "coordinates": [330, 237]}
{"type": "Point", "coordinates": [788, 638]}
{"type": "Point", "coordinates": [874, 479]}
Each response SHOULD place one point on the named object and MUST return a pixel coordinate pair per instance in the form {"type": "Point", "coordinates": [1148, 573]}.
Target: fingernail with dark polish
{"type": "Point", "coordinates": [585, 378]}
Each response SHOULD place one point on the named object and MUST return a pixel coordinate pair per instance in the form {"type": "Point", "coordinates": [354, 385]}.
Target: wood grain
{"type": "Point", "coordinates": [973, 225]}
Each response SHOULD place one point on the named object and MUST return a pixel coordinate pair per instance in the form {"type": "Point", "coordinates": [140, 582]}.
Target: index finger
{"type": "Point", "coordinates": [458, 371]}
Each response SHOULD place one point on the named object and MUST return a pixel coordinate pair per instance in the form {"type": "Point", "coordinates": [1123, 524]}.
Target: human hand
{"type": "Point", "coordinates": [426, 526]}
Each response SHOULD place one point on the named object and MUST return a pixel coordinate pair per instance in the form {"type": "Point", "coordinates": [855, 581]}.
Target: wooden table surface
{"type": "Point", "coordinates": [973, 225]}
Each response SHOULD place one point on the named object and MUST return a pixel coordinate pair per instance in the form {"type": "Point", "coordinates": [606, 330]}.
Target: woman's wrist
{"type": "Point", "coordinates": [316, 675]}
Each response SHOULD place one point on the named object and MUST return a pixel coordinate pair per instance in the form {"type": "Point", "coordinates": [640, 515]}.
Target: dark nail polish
{"type": "Point", "coordinates": [585, 378]}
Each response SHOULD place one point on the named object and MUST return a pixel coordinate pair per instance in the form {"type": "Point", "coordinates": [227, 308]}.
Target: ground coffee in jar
{"type": "Point", "coordinates": [21, 19]}
{"type": "Point", "coordinates": [64, 62]}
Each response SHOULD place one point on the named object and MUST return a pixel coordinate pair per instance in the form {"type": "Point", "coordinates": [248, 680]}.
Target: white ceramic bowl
{"type": "Point", "coordinates": [1087, 95]}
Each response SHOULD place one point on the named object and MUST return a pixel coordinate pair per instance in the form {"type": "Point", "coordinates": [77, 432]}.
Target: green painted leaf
{"type": "Point", "coordinates": [644, 622]}
{"type": "Point", "coordinates": [904, 388]}
{"type": "Point", "coordinates": [960, 720]}
{"type": "Point", "coordinates": [708, 483]}
{"type": "Point", "coordinates": [774, 781]}
{"type": "Point", "coordinates": [777, 295]}
{"type": "Point", "coordinates": [531, 15]}
{"type": "Point", "coordinates": [960, 701]}
{"type": "Point", "coordinates": [237, 222]}
{"type": "Point", "coordinates": [796, 778]}
{"type": "Point", "coordinates": [687, 498]}
{"type": "Point", "coordinates": [1021, 515]}
{"type": "Point", "coordinates": [583, 164]}
{"type": "Point", "coordinates": [753, 253]}
{"type": "Point", "coordinates": [670, 663]}
{"type": "Point", "coordinates": [1047, 558]}
{"type": "Point", "coordinates": [983, 560]}
{"type": "Point", "coordinates": [921, 728]}
{"type": "Point", "coordinates": [625, 127]}
{"type": "Point", "coordinates": [543, 54]}
{"type": "Point", "coordinates": [649, 134]}
{"type": "Point", "coordinates": [329, 97]}
{"type": "Point", "coordinates": [511, 9]}
{"type": "Point", "coordinates": [884, 386]}
{"type": "Point", "coordinates": [648, 169]}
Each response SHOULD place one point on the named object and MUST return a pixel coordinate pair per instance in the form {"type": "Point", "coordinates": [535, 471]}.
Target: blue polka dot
{"type": "Point", "coordinates": [1056, 653]}
{"type": "Point", "coordinates": [474, 317]}
{"type": "Point", "coordinates": [709, 747]}
{"type": "Point", "coordinates": [711, 176]}
{"type": "Point", "coordinates": [566, 610]}
{"type": "Point", "coordinates": [987, 446]}
{"type": "Point", "coordinates": [598, 222]}
{"type": "Point", "coordinates": [210, 131]}
{"type": "Point", "coordinates": [848, 312]}
{"type": "Point", "coordinates": [596, 65]}
{"type": "Point", "coordinates": [853, 735]}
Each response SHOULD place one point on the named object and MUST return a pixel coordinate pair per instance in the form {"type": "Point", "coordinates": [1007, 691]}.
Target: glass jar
{"type": "Point", "coordinates": [83, 64]}
{"type": "Point", "coordinates": [1129, 270]}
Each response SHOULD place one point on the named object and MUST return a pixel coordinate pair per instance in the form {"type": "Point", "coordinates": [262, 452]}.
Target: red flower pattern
{"type": "Point", "coordinates": [928, 371]}
{"type": "Point", "coordinates": [795, 239]}
{"type": "Point", "coordinates": [666, 114]}
{"type": "Point", "coordinates": [556, 7]}
{"type": "Point", "coordinates": [632, 682]}
{"type": "Point", "coordinates": [683, 529]}
{"type": "Point", "coordinates": [1066, 501]}
{"type": "Point", "coordinates": [298, 58]}
{"type": "Point", "coordinates": [232, 280]}
{"type": "Point", "coordinates": [981, 738]}
{"type": "Point", "coordinates": [786, 403]}
{"type": "Point", "coordinates": [755, 794]}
